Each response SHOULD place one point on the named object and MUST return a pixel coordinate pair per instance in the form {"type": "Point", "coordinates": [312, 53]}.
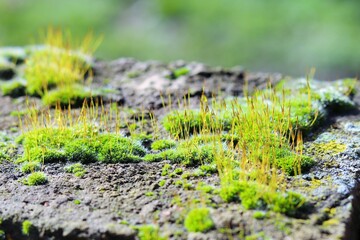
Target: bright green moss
{"type": "Point", "coordinates": [162, 183]}
{"type": "Point", "coordinates": [149, 232]}
{"type": "Point", "coordinates": [35, 178]}
{"type": "Point", "coordinates": [70, 144]}
{"type": "Point", "coordinates": [28, 167]}
{"type": "Point", "coordinates": [73, 95]}
{"type": "Point", "coordinates": [163, 144]}
{"type": "Point", "coordinates": [77, 169]}
{"type": "Point", "coordinates": [26, 227]}
{"type": "Point", "coordinates": [13, 88]}
{"type": "Point", "coordinates": [198, 220]}
{"type": "Point", "coordinates": [254, 196]}
{"type": "Point", "coordinates": [51, 67]}
{"type": "Point", "coordinates": [77, 202]}
{"type": "Point", "coordinates": [259, 215]}
{"type": "Point", "coordinates": [292, 163]}
{"type": "Point", "coordinates": [180, 72]}
{"type": "Point", "coordinates": [186, 153]}
{"type": "Point", "coordinates": [165, 169]}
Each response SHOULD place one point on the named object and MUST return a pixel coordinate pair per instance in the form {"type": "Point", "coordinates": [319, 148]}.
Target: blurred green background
{"type": "Point", "coordinates": [261, 35]}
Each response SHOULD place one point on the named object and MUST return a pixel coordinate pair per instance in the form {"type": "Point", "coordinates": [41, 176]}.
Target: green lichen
{"type": "Point", "coordinates": [327, 148]}
{"type": "Point", "coordinates": [198, 220]}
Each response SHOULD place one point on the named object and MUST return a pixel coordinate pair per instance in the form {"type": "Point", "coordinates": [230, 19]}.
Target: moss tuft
{"type": "Point", "coordinates": [26, 227]}
{"type": "Point", "coordinates": [149, 232]}
{"type": "Point", "coordinates": [163, 144]}
{"type": "Point", "coordinates": [77, 169]}
{"type": "Point", "coordinates": [35, 178]}
{"type": "Point", "coordinates": [198, 220]}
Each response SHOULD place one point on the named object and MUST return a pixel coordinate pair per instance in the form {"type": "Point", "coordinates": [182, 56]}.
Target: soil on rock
{"type": "Point", "coordinates": [112, 198]}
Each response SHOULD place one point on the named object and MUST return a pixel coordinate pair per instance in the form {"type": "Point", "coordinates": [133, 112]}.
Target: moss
{"type": "Point", "coordinates": [259, 215]}
{"type": "Point", "coordinates": [51, 67]}
{"type": "Point", "coordinates": [204, 188]}
{"type": "Point", "coordinates": [13, 88]}
{"type": "Point", "coordinates": [163, 144]}
{"type": "Point", "coordinates": [161, 183]}
{"type": "Point", "coordinates": [35, 178]}
{"type": "Point", "coordinates": [77, 202]}
{"type": "Point", "coordinates": [73, 95]}
{"type": "Point", "coordinates": [26, 227]}
{"type": "Point", "coordinates": [76, 144]}
{"type": "Point", "coordinates": [32, 166]}
{"type": "Point", "coordinates": [77, 169]}
{"type": "Point", "coordinates": [254, 196]}
{"type": "Point", "coordinates": [165, 169]}
{"type": "Point", "coordinates": [149, 194]}
{"type": "Point", "coordinates": [180, 72]}
{"type": "Point", "coordinates": [198, 220]}
{"type": "Point", "coordinates": [149, 232]}
{"type": "Point", "coordinates": [209, 168]}
{"type": "Point", "coordinates": [292, 163]}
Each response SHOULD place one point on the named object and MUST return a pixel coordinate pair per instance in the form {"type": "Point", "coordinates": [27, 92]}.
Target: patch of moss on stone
{"type": "Point", "coordinates": [77, 169]}
{"type": "Point", "coordinates": [198, 220]}
{"type": "Point", "coordinates": [254, 195]}
{"type": "Point", "coordinates": [13, 88]}
{"type": "Point", "coordinates": [163, 144]}
{"type": "Point", "coordinates": [26, 227]}
{"type": "Point", "coordinates": [149, 232]}
{"type": "Point", "coordinates": [79, 144]}
{"type": "Point", "coordinates": [35, 178]}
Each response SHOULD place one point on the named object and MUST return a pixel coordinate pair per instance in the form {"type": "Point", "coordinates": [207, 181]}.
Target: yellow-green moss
{"type": "Point", "coordinates": [26, 227]}
{"type": "Point", "coordinates": [198, 220]}
{"type": "Point", "coordinates": [149, 232]}
{"type": "Point", "coordinates": [35, 178]}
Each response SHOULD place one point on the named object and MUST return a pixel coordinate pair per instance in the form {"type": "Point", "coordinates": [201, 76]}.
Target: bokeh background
{"type": "Point", "coordinates": [261, 35]}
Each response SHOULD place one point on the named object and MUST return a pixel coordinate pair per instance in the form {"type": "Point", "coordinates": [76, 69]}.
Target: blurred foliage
{"type": "Point", "coordinates": [270, 35]}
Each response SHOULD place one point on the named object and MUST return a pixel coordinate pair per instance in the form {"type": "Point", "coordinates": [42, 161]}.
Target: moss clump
{"type": "Point", "coordinates": [80, 145]}
{"type": "Point", "coordinates": [73, 95]}
{"type": "Point", "coordinates": [32, 166]}
{"type": "Point", "coordinates": [198, 220]}
{"type": "Point", "coordinates": [257, 196]}
{"type": "Point", "coordinates": [292, 163]}
{"type": "Point", "coordinates": [53, 66]}
{"type": "Point", "coordinates": [163, 144]}
{"type": "Point", "coordinates": [149, 232]}
{"type": "Point", "coordinates": [26, 227]}
{"type": "Point", "coordinates": [13, 88]}
{"type": "Point", "coordinates": [77, 169]}
{"type": "Point", "coordinates": [35, 178]}
{"type": "Point", "coordinates": [180, 72]}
